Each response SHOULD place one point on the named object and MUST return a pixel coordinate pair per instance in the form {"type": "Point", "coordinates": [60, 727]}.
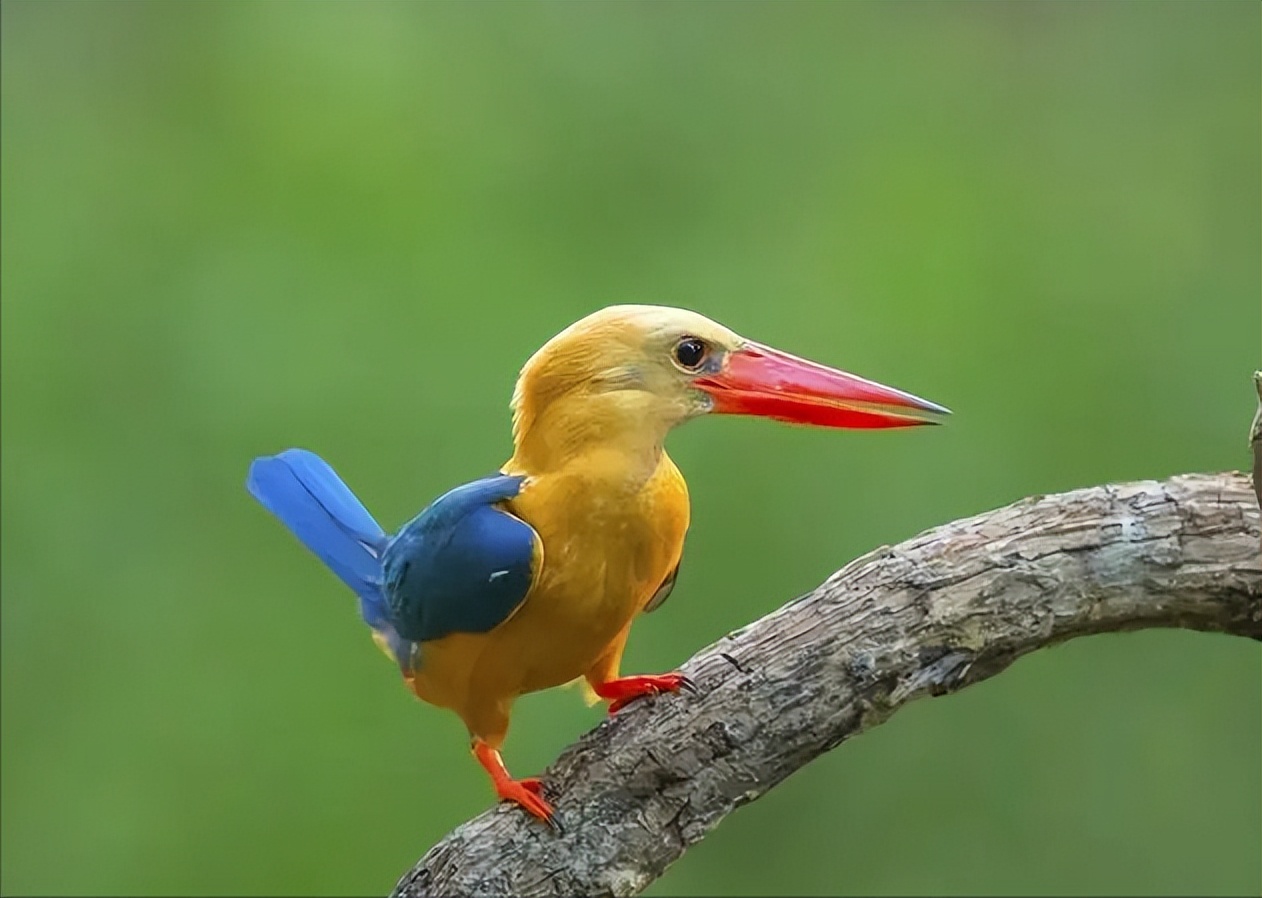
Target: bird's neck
{"type": "Point", "coordinates": [571, 430]}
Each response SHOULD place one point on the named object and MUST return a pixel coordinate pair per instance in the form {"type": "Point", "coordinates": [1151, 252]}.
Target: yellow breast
{"type": "Point", "coordinates": [610, 537]}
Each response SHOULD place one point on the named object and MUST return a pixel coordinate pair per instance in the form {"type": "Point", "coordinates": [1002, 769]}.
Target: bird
{"type": "Point", "coordinates": [531, 577]}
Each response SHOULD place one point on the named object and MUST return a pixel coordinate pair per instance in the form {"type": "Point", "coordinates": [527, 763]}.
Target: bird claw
{"type": "Point", "coordinates": [527, 794]}
{"type": "Point", "coordinates": [627, 689]}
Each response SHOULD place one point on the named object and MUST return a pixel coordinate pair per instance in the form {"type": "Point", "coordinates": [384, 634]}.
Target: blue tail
{"type": "Point", "coordinates": [312, 501]}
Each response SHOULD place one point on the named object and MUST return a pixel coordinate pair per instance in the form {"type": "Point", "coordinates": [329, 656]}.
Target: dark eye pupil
{"type": "Point", "coordinates": [690, 352]}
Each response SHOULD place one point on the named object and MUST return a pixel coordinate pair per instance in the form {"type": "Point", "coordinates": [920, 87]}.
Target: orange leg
{"type": "Point", "coordinates": [627, 689]}
{"type": "Point", "coordinates": [526, 792]}
{"type": "Point", "coordinates": [605, 682]}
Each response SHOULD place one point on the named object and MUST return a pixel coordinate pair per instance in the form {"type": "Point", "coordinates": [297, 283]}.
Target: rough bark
{"type": "Point", "coordinates": [949, 608]}
{"type": "Point", "coordinates": [1255, 438]}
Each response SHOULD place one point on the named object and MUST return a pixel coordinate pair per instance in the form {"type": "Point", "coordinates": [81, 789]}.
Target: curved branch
{"type": "Point", "coordinates": [946, 609]}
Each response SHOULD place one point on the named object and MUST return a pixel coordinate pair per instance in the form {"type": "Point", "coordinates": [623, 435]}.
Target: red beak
{"type": "Point", "coordinates": [759, 380]}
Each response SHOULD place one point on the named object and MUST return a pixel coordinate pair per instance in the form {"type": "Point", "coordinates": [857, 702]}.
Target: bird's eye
{"type": "Point", "coordinates": [690, 353]}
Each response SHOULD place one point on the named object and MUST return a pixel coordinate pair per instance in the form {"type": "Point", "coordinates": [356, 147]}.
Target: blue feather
{"type": "Point", "coordinates": [312, 501]}
{"type": "Point", "coordinates": [461, 565]}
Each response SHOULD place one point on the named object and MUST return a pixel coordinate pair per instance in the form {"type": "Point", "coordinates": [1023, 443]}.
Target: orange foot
{"type": "Point", "coordinates": [627, 689]}
{"type": "Point", "coordinates": [527, 793]}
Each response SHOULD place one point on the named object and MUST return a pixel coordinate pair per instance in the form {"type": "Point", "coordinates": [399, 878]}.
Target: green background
{"type": "Point", "coordinates": [234, 227]}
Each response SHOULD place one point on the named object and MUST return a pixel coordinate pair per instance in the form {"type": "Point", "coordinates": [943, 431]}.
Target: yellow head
{"type": "Point", "coordinates": [626, 375]}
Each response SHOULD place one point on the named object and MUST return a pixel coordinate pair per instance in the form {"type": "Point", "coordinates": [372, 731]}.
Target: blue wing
{"type": "Point", "coordinates": [462, 564]}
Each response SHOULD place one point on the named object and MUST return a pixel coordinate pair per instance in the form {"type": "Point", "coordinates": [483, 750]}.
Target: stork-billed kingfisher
{"type": "Point", "coordinates": [531, 578]}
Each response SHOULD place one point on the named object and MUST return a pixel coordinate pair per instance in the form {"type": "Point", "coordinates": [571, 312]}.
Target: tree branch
{"type": "Point", "coordinates": [946, 609]}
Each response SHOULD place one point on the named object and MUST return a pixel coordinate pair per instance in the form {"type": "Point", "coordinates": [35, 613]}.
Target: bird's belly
{"type": "Point", "coordinates": [591, 590]}
{"type": "Point", "coordinates": [555, 637]}
{"type": "Point", "coordinates": [561, 637]}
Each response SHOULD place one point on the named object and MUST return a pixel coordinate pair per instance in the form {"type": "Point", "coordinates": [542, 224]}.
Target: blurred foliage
{"type": "Point", "coordinates": [233, 227]}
